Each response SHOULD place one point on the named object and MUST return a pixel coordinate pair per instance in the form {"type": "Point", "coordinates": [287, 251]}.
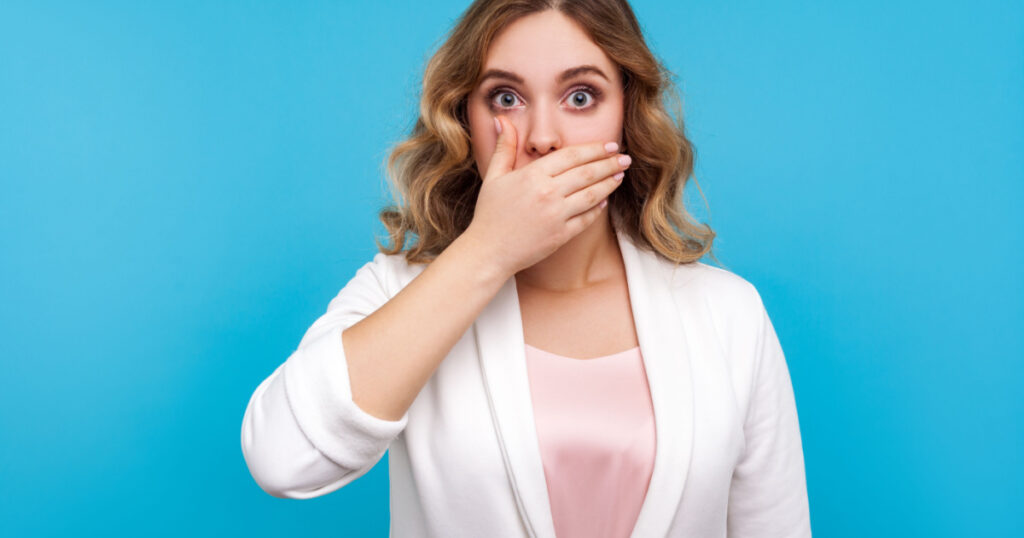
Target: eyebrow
{"type": "Point", "coordinates": [566, 75]}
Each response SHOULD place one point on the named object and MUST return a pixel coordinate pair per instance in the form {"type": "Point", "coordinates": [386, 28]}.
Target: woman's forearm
{"type": "Point", "coordinates": [393, 352]}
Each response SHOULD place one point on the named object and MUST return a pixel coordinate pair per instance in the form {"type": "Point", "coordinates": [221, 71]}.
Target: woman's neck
{"type": "Point", "coordinates": [592, 256]}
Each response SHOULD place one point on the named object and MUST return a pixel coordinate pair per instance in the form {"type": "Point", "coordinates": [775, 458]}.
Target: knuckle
{"type": "Point", "coordinates": [575, 154]}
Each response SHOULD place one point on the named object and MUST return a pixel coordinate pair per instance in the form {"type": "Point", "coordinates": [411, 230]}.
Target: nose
{"type": "Point", "coordinates": [544, 133]}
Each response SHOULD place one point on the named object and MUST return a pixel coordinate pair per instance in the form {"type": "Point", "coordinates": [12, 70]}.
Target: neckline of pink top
{"type": "Point", "coordinates": [631, 352]}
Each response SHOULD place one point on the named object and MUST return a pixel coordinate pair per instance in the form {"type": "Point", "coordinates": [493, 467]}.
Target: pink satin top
{"type": "Point", "coordinates": [595, 425]}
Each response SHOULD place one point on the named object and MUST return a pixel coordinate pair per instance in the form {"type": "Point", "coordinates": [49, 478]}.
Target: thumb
{"type": "Point", "coordinates": [503, 160]}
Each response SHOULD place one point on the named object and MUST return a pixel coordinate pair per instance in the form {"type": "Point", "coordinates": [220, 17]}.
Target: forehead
{"type": "Point", "coordinates": [541, 45]}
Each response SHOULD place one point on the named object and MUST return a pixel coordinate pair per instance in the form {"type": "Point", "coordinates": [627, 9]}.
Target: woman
{"type": "Point", "coordinates": [549, 357]}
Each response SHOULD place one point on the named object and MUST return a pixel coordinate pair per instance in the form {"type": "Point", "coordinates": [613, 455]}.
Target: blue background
{"type": "Point", "coordinates": [186, 185]}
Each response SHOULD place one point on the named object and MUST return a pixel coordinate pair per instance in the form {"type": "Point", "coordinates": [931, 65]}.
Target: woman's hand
{"type": "Point", "coordinates": [526, 214]}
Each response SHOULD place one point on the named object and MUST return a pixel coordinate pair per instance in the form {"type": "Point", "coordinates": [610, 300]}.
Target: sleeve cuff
{"type": "Point", "coordinates": [320, 395]}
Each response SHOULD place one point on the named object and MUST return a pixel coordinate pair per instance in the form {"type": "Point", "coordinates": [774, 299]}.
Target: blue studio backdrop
{"type": "Point", "coordinates": [186, 185]}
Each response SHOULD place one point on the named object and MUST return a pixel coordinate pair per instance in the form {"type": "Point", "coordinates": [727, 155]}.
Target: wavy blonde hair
{"type": "Point", "coordinates": [435, 174]}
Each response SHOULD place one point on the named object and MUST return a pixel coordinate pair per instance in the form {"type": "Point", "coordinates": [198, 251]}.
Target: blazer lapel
{"type": "Point", "coordinates": [664, 347]}
{"type": "Point", "coordinates": [666, 354]}
{"type": "Point", "coordinates": [502, 353]}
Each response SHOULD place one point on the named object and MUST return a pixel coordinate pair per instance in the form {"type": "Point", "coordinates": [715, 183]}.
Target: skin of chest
{"type": "Point", "coordinates": [586, 323]}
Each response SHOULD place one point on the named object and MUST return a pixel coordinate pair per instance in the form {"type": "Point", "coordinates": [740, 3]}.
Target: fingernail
{"type": "Point", "coordinates": [624, 160]}
{"type": "Point", "coordinates": [603, 203]}
{"type": "Point", "coordinates": [611, 147]}
{"type": "Point", "coordinates": [620, 175]}
{"type": "Point", "coordinates": [497, 124]}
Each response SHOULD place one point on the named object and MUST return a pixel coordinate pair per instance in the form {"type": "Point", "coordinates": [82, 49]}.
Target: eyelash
{"type": "Point", "coordinates": [594, 93]}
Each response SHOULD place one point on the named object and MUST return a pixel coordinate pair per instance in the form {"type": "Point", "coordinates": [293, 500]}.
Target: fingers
{"type": "Point", "coordinates": [503, 160]}
{"type": "Point", "coordinates": [582, 221]}
{"type": "Point", "coordinates": [582, 176]}
{"type": "Point", "coordinates": [566, 158]}
{"type": "Point", "coordinates": [589, 197]}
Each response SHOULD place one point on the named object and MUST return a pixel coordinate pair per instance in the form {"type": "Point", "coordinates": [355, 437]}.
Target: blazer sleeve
{"type": "Point", "coordinates": [302, 434]}
{"type": "Point", "coordinates": [768, 494]}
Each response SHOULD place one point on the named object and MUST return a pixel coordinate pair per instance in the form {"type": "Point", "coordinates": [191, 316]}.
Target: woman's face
{"type": "Point", "coordinates": [545, 75]}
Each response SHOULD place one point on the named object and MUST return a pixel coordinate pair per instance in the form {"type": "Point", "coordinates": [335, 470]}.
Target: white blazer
{"type": "Point", "coordinates": [465, 460]}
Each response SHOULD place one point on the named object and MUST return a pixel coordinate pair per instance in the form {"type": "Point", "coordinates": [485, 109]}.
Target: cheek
{"type": "Point", "coordinates": [606, 126]}
{"type": "Point", "coordinates": [483, 137]}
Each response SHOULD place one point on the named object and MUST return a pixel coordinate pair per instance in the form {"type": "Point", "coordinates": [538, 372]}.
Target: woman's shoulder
{"type": "Point", "coordinates": [722, 285]}
{"type": "Point", "coordinates": [390, 271]}
{"type": "Point", "coordinates": [732, 301]}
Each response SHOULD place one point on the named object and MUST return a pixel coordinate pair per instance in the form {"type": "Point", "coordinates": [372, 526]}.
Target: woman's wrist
{"type": "Point", "coordinates": [480, 259]}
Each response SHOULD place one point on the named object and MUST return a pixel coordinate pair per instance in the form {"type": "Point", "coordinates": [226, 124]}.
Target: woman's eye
{"type": "Point", "coordinates": [580, 99]}
{"type": "Point", "coordinates": [505, 99]}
